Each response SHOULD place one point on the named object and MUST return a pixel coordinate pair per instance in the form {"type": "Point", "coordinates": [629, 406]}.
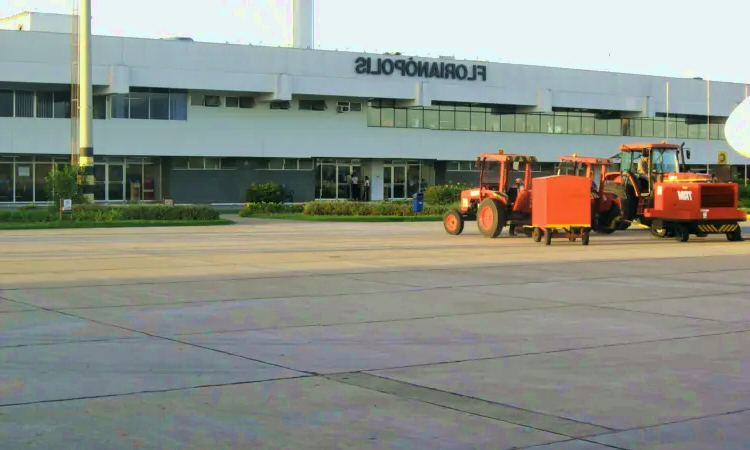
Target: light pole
{"type": "Point", "coordinates": [86, 111]}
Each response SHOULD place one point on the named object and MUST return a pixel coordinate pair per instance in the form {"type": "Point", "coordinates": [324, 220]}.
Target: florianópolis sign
{"type": "Point", "coordinates": [421, 69]}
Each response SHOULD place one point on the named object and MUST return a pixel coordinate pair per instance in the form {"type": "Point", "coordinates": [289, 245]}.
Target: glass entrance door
{"type": "Point", "coordinates": [334, 180]}
{"type": "Point", "coordinates": [394, 182]}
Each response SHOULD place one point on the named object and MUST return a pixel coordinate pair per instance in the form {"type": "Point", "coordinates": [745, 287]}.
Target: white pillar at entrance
{"type": "Point", "coordinates": [376, 180]}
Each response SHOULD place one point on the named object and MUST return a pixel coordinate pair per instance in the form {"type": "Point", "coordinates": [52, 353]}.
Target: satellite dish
{"type": "Point", "coordinates": [737, 129]}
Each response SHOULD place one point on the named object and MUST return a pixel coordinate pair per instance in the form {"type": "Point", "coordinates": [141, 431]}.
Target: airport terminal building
{"type": "Point", "coordinates": [198, 122]}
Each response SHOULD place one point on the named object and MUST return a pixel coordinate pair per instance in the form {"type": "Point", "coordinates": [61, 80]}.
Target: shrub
{"type": "Point", "coordinates": [110, 213]}
{"type": "Point", "coordinates": [445, 194]}
{"type": "Point", "coordinates": [251, 209]}
{"type": "Point", "coordinates": [346, 208]}
{"type": "Point", "coordinates": [62, 183]}
{"type": "Point", "coordinates": [264, 193]}
{"type": "Point", "coordinates": [29, 215]}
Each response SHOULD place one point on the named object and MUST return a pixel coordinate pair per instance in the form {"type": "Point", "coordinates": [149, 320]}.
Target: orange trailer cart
{"type": "Point", "coordinates": [561, 207]}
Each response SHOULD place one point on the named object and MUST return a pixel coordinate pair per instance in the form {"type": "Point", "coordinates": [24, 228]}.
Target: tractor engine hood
{"type": "Point", "coordinates": [686, 178]}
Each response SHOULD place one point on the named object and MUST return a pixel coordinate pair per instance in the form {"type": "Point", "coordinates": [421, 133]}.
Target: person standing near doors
{"type": "Point", "coordinates": [355, 187]}
{"type": "Point", "coordinates": [366, 190]}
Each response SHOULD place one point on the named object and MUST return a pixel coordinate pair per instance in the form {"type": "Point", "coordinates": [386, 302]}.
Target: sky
{"type": "Point", "coordinates": [651, 37]}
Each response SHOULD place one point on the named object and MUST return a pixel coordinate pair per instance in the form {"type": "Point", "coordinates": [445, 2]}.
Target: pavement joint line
{"type": "Point", "coordinates": [549, 352]}
{"type": "Point", "coordinates": [662, 314]}
{"type": "Point", "coordinates": [181, 342]}
{"type": "Point", "coordinates": [44, 344]}
{"type": "Point", "coordinates": [229, 300]}
{"type": "Point", "coordinates": [395, 270]}
{"type": "Point", "coordinates": [405, 319]}
{"type": "Point", "coordinates": [689, 419]}
{"type": "Point", "coordinates": [414, 395]}
{"type": "Point", "coordinates": [153, 391]}
{"type": "Point", "coordinates": [541, 446]}
{"type": "Point", "coordinates": [604, 305]}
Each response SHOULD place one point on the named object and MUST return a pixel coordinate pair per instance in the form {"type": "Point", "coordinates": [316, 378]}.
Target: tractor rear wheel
{"type": "Point", "coordinates": [453, 222]}
{"type": "Point", "coordinates": [735, 236]}
{"type": "Point", "coordinates": [491, 218]}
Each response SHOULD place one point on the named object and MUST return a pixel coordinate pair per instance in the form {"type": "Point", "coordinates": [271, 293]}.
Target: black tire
{"type": "Point", "coordinates": [681, 233]}
{"type": "Point", "coordinates": [536, 235]}
{"type": "Point", "coordinates": [491, 214]}
{"type": "Point", "coordinates": [547, 236]}
{"type": "Point", "coordinates": [605, 220]}
{"type": "Point", "coordinates": [735, 236]}
{"type": "Point", "coordinates": [453, 222]}
{"type": "Point", "coordinates": [585, 237]}
{"type": "Point", "coordinates": [658, 232]}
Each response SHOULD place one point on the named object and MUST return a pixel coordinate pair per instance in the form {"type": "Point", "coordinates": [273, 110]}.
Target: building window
{"type": "Point", "coordinates": [6, 103]}
{"type": "Point", "coordinates": [24, 103]}
{"type": "Point", "coordinates": [461, 166]}
{"type": "Point", "coordinates": [383, 113]}
{"type": "Point", "coordinates": [146, 103]}
{"type": "Point", "coordinates": [290, 164]}
{"type": "Point", "coordinates": [211, 101]}
{"type": "Point", "coordinates": [312, 105]}
{"type": "Point", "coordinates": [239, 102]}
{"type": "Point", "coordinates": [202, 163]}
{"type": "Point", "coordinates": [232, 102]}
{"type": "Point", "coordinates": [280, 104]}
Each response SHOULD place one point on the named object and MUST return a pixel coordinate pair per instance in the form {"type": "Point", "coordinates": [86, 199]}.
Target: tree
{"type": "Point", "coordinates": [62, 183]}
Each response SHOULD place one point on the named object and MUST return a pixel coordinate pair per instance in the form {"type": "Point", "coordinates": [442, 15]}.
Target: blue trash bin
{"type": "Point", "coordinates": [417, 204]}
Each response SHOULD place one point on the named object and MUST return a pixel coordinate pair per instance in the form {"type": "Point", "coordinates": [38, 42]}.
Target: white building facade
{"type": "Point", "coordinates": [199, 122]}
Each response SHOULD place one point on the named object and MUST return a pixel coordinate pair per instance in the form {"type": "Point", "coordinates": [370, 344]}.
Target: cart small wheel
{"type": "Point", "coordinates": [536, 235]}
{"type": "Point", "coordinates": [572, 238]}
{"type": "Point", "coordinates": [585, 237]}
{"type": "Point", "coordinates": [548, 236]}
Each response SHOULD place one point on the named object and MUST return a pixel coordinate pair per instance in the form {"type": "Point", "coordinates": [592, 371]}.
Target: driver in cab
{"type": "Point", "coordinates": [642, 169]}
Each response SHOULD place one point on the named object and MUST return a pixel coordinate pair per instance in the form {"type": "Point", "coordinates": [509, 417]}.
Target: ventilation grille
{"type": "Point", "coordinates": [717, 196]}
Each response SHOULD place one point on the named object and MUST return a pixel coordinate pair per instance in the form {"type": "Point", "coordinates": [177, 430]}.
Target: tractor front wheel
{"type": "Point", "coordinates": [658, 232]}
{"type": "Point", "coordinates": [735, 236]}
{"type": "Point", "coordinates": [490, 218]}
{"type": "Point", "coordinates": [681, 233]}
{"type": "Point", "coordinates": [453, 222]}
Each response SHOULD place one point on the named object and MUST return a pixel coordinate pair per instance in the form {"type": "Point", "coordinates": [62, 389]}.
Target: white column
{"type": "Point", "coordinates": [376, 180]}
{"type": "Point", "coordinates": [303, 20]}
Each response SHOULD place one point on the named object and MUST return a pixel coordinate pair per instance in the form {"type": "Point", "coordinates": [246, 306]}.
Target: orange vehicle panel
{"type": "Point", "coordinates": [561, 200]}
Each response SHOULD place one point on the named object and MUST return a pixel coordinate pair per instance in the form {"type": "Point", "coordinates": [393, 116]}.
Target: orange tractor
{"type": "Point", "coordinates": [606, 208]}
{"type": "Point", "coordinates": [495, 203]}
{"type": "Point", "coordinates": [656, 190]}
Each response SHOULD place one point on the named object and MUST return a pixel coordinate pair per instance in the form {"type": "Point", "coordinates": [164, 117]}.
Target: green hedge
{"type": "Point", "coordinates": [445, 194]}
{"type": "Point", "coordinates": [108, 213]}
{"type": "Point", "coordinates": [252, 209]}
{"type": "Point", "coordinates": [264, 193]}
{"type": "Point", "coordinates": [346, 208]}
